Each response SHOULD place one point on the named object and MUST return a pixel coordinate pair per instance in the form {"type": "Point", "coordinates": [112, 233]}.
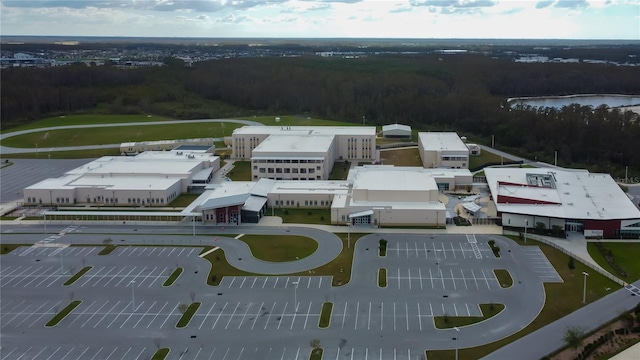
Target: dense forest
{"type": "Point", "coordinates": [463, 92]}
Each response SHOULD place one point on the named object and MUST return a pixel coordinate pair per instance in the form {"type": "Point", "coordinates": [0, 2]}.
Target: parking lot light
{"type": "Point", "coordinates": [584, 289]}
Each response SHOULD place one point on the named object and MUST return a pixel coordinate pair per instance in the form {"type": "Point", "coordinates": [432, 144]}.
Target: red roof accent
{"type": "Point", "coordinates": [502, 199]}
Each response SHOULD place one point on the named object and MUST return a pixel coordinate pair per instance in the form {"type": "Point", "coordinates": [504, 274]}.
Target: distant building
{"type": "Point", "coordinates": [133, 148]}
{"type": "Point", "coordinates": [474, 149]}
{"type": "Point", "coordinates": [443, 150]}
{"type": "Point", "coordinates": [396, 131]}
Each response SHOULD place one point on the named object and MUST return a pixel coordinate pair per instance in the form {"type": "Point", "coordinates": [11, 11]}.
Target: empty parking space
{"type": "Point", "coordinates": [121, 314]}
{"type": "Point", "coordinates": [24, 314]}
{"type": "Point", "coordinates": [156, 251]}
{"type": "Point", "coordinates": [228, 315]}
{"type": "Point", "coordinates": [31, 276]}
{"type": "Point", "coordinates": [540, 264]}
{"type": "Point", "coordinates": [348, 352]}
{"type": "Point", "coordinates": [123, 276]}
{"type": "Point", "coordinates": [443, 277]}
{"type": "Point", "coordinates": [397, 316]}
{"type": "Point", "coordinates": [70, 251]}
{"type": "Point", "coordinates": [79, 352]}
{"type": "Point", "coordinates": [276, 282]}
{"type": "Point", "coordinates": [432, 250]}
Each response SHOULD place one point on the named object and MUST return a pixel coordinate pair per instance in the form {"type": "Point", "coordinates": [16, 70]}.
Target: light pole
{"type": "Point", "coordinates": [438, 262]}
{"type": "Point", "coordinates": [295, 294]}
{"type": "Point", "coordinates": [133, 295]}
{"type": "Point", "coordinates": [584, 290]}
{"type": "Point", "coordinates": [456, 339]}
{"type": "Point", "coordinates": [193, 221]}
{"type": "Point", "coordinates": [492, 141]}
{"type": "Point", "coordinates": [61, 262]}
{"type": "Point", "coordinates": [526, 225]}
{"type": "Point", "coordinates": [349, 234]}
{"type": "Point", "coordinates": [555, 158]}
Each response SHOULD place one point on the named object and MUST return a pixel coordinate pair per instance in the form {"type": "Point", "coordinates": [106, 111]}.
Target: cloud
{"type": "Point", "coordinates": [543, 4]}
{"type": "Point", "coordinates": [455, 6]}
{"type": "Point", "coordinates": [154, 5]}
{"type": "Point", "coordinates": [572, 4]}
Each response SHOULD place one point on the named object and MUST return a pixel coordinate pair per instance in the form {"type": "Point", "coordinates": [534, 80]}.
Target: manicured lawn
{"type": "Point", "coordinates": [483, 158]}
{"type": "Point", "coordinates": [7, 248]}
{"type": "Point", "coordinates": [108, 249]}
{"type": "Point", "coordinates": [561, 299]}
{"type": "Point", "coordinates": [303, 216]}
{"type": "Point", "coordinates": [183, 200]}
{"type": "Point", "coordinates": [280, 248]}
{"type": "Point", "coordinates": [161, 354]}
{"type": "Point", "coordinates": [382, 277]}
{"type": "Point", "coordinates": [449, 322]}
{"type": "Point", "coordinates": [295, 120]}
{"type": "Point", "coordinates": [401, 157]}
{"type": "Point", "coordinates": [87, 119]}
{"type": "Point", "coordinates": [504, 278]}
{"type": "Point", "coordinates": [241, 171]}
{"type": "Point", "coordinates": [220, 267]}
{"type": "Point", "coordinates": [188, 314]}
{"type": "Point", "coordinates": [75, 154]}
{"type": "Point", "coordinates": [62, 314]}
{"type": "Point", "coordinates": [119, 134]}
{"type": "Point", "coordinates": [173, 277]}
{"type": "Point", "coordinates": [625, 254]}
{"type": "Point", "coordinates": [77, 276]}
{"type": "Point", "coordinates": [325, 315]}
{"type": "Point", "coordinates": [340, 170]}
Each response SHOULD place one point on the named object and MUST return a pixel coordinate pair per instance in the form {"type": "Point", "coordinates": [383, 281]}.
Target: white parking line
{"type": "Point", "coordinates": [114, 276]}
{"type": "Point", "coordinates": [125, 354]}
{"type": "Point", "coordinates": [69, 352]}
{"type": "Point", "coordinates": [282, 316]}
{"type": "Point", "coordinates": [355, 325]}
{"type": "Point", "coordinates": [409, 271]}
{"type": "Point", "coordinates": [24, 353]}
{"type": "Point", "coordinates": [242, 283]}
{"type": "Point", "coordinates": [394, 316]}
{"type": "Point", "coordinates": [219, 315]}
{"type": "Point", "coordinates": [158, 313]}
{"type": "Point", "coordinates": [475, 279]}
{"type": "Point", "coordinates": [254, 282]}
{"type": "Point", "coordinates": [420, 275]}
{"type": "Point", "coordinates": [344, 314]}
{"type": "Point", "coordinates": [37, 277]}
{"type": "Point", "coordinates": [23, 278]}
{"type": "Point", "coordinates": [255, 319]}
{"type": "Point", "coordinates": [455, 309]}
{"type": "Point", "coordinates": [82, 313]}
{"type": "Point", "coordinates": [265, 282]}
{"type": "Point", "coordinates": [231, 317]}
{"type": "Point", "coordinates": [168, 316]}
{"type": "Point", "coordinates": [48, 312]}
{"type": "Point", "coordinates": [145, 314]}
{"type": "Point", "coordinates": [126, 276]}
{"type": "Point", "coordinates": [105, 314]}
{"type": "Point", "coordinates": [307, 317]}
{"type": "Point", "coordinates": [232, 280]}
{"type": "Point", "coordinates": [243, 316]}
{"type": "Point", "coordinates": [320, 283]}
{"type": "Point", "coordinates": [381, 315]}
{"type": "Point", "coordinates": [398, 278]}
{"type": "Point", "coordinates": [269, 317]}
{"type": "Point", "coordinates": [146, 277]}
{"type": "Point", "coordinates": [295, 312]}
{"type": "Point", "coordinates": [485, 279]}
{"type": "Point", "coordinates": [180, 253]}
{"type": "Point", "coordinates": [419, 317]}
{"type": "Point", "coordinates": [206, 316]}
{"type": "Point", "coordinates": [31, 313]}
{"type": "Point", "coordinates": [453, 280]}
{"type": "Point", "coordinates": [53, 353]}
{"type": "Point", "coordinates": [431, 277]}
{"type": "Point", "coordinates": [92, 315]}
{"type": "Point", "coordinates": [406, 312]}
{"type": "Point", "coordinates": [369, 321]}
{"type": "Point", "coordinates": [47, 278]}
{"type": "Point", "coordinates": [143, 349]}
{"type": "Point", "coordinates": [114, 350]}
{"type": "Point", "coordinates": [94, 356]}
{"type": "Point", "coordinates": [114, 319]}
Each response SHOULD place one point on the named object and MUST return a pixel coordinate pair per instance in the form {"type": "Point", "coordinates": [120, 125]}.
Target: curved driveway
{"type": "Point", "coordinates": [11, 150]}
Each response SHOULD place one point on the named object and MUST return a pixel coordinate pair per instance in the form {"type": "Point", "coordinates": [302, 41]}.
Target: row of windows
{"type": "Point", "coordinates": [286, 170]}
{"type": "Point", "coordinates": [454, 158]}
{"type": "Point", "coordinates": [255, 177]}
{"type": "Point", "coordinates": [287, 161]}
{"type": "Point", "coordinates": [306, 203]}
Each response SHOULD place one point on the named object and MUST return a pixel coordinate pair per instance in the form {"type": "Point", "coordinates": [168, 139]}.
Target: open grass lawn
{"type": "Point", "coordinates": [119, 134]}
{"type": "Point", "coordinates": [340, 171]}
{"type": "Point", "coordinates": [183, 200]}
{"type": "Point", "coordinates": [85, 119]}
{"type": "Point", "coordinates": [561, 299]}
{"type": "Point", "coordinates": [401, 157]}
{"type": "Point", "coordinates": [303, 216]}
{"type": "Point", "coordinates": [483, 158]}
{"type": "Point", "coordinates": [74, 154]}
{"type": "Point", "coordinates": [449, 322]}
{"type": "Point", "coordinates": [625, 254]}
{"type": "Point", "coordinates": [7, 248]}
{"type": "Point", "coordinates": [241, 171]}
{"type": "Point", "coordinates": [280, 248]}
{"type": "Point", "coordinates": [295, 120]}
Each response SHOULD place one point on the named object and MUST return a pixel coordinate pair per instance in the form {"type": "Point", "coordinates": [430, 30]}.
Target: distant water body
{"type": "Point", "coordinates": [593, 100]}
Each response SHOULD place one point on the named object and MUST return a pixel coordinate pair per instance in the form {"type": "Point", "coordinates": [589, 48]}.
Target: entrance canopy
{"type": "Point", "coordinates": [360, 213]}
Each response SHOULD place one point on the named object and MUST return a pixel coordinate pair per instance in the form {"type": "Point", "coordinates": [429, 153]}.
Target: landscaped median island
{"type": "Point", "coordinates": [161, 354]}
{"type": "Point", "coordinates": [77, 275]}
{"type": "Point", "coordinates": [7, 248]}
{"type": "Point", "coordinates": [325, 315]}
{"type": "Point", "coordinates": [62, 314]}
{"type": "Point", "coordinates": [187, 313]}
{"type": "Point", "coordinates": [280, 248]}
{"type": "Point", "coordinates": [382, 278]}
{"type": "Point", "coordinates": [504, 278]}
{"type": "Point", "coordinates": [449, 322]}
{"type": "Point", "coordinates": [382, 248]}
{"type": "Point", "coordinates": [173, 277]}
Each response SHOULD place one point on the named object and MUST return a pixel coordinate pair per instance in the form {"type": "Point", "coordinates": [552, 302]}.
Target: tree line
{"type": "Point", "coordinates": [464, 92]}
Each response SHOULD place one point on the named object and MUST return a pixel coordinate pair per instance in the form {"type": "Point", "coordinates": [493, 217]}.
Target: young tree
{"type": "Point", "coordinates": [573, 337]}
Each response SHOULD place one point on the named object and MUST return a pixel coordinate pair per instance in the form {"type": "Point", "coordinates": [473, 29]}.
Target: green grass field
{"type": "Point", "coordinates": [401, 157]}
{"type": "Point", "coordinates": [483, 158]}
{"type": "Point", "coordinates": [280, 248]}
{"type": "Point", "coordinates": [340, 171]}
{"type": "Point", "coordinates": [74, 154]}
{"type": "Point", "coordinates": [241, 171]}
{"type": "Point", "coordinates": [303, 216]}
{"type": "Point", "coordinates": [87, 119]}
{"type": "Point", "coordinates": [625, 254]}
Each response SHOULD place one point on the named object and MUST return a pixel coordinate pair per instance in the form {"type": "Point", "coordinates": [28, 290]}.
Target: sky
{"type": "Point", "coordinates": [467, 19]}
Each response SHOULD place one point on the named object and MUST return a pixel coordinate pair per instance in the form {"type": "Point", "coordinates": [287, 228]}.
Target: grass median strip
{"type": "Point", "coordinates": [280, 248]}
{"type": "Point", "coordinates": [62, 314]}
{"type": "Point", "coordinates": [77, 276]}
{"type": "Point", "coordinates": [173, 277]}
{"type": "Point", "coordinates": [7, 248]}
{"type": "Point", "coordinates": [188, 314]}
{"type": "Point", "coordinates": [325, 315]}
{"type": "Point", "coordinates": [382, 277]}
{"type": "Point", "coordinates": [160, 354]}
{"type": "Point", "coordinates": [504, 278]}
{"type": "Point", "coordinates": [449, 322]}
{"type": "Point", "coordinates": [108, 249]}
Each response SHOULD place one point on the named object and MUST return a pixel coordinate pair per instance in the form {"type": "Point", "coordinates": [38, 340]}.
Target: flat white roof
{"type": "Point", "coordinates": [149, 162]}
{"type": "Point", "coordinates": [312, 187]}
{"type": "Point", "coordinates": [118, 183]}
{"type": "Point", "coordinates": [288, 144]}
{"type": "Point", "coordinates": [573, 194]}
{"type": "Point", "coordinates": [441, 141]}
{"type": "Point", "coordinates": [400, 127]}
{"type": "Point", "coordinates": [169, 142]}
{"type": "Point", "coordinates": [308, 130]}
{"type": "Point", "coordinates": [389, 177]}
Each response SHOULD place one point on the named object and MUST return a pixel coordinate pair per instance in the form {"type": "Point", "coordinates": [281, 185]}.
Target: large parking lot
{"type": "Point", "coordinates": [123, 299]}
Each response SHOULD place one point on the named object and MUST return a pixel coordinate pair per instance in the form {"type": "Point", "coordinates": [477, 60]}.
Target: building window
{"type": "Point", "coordinates": [287, 170]}
{"type": "Point", "coordinates": [270, 170]}
{"type": "Point", "coordinates": [278, 171]}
